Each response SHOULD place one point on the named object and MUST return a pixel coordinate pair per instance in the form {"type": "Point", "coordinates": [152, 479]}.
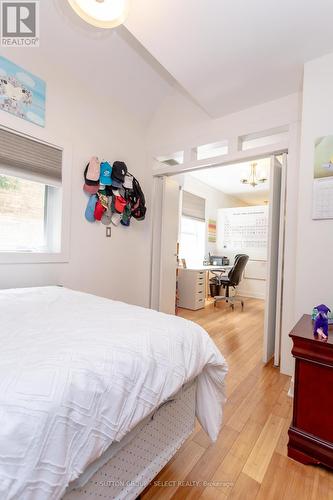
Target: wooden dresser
{"type": "Point", "coordinates": [311, 430]}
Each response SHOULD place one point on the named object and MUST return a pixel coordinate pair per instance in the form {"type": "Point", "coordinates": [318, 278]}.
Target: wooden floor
{"type": "Point", "coordinates": [249, 460]}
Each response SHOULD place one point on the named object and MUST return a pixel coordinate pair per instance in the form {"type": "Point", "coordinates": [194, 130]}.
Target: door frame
{"type": "Point", "coordinates": [281, 255]}
{"type": "Point", "coordinates": [157, 216]}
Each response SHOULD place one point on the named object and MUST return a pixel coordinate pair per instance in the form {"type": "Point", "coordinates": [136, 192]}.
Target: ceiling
{"type": "Point", "coordinates": [232, 54]}
{"type": "Point", "coordinates": [224, 55]}
{"type": "Point", "coordinates": [227, 179]}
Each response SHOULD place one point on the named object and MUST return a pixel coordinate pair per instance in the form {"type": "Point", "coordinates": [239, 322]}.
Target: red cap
{"type": "Point", "coordinates": [120, 204]}
{"type": "Point", "coordinates": [99, 210]}
{"type": "Point", "coordinates": [90, 189]}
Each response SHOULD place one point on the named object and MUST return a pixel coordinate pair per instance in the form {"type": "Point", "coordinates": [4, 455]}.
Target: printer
{"type": "Point", "coordinates": [217, 260]}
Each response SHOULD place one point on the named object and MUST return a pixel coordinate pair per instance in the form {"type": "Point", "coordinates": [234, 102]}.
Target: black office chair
{"type": "Point", "coordinates": [232, 280]}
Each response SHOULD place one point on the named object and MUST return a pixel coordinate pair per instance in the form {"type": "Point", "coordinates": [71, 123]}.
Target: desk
{"type": "Point", "coordinates": [193, 285]}
{"type": "Point", "coordinates": [209, 268]}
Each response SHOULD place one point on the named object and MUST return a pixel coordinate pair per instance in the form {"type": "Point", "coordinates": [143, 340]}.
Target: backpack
{"type": "Point", "coordinates": [138, 201]}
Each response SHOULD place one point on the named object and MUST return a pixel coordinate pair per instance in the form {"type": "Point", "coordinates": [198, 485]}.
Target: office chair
{"type": "Point", "coordinates": [232, 280]}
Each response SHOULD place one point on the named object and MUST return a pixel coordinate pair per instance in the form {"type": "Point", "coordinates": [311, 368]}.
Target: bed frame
{"type": "Point", "coordinates": [136, 464]}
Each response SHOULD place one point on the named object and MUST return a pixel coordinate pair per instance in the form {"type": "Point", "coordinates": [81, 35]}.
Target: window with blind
{"type": "Point", "coordinates": [193, 206]}
{"type": "Point", "coordinates": [30, 195]}
{"type": "Point", "coordinates": [192, 230]}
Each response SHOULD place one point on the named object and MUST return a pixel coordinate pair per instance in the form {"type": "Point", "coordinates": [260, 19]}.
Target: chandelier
{"type": "Point", "coordinates": [101, 13]}
{"type": "Point", "coordinates": [253, 179]}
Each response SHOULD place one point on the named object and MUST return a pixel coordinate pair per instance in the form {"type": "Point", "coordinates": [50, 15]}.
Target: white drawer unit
{"type": "Point", "coordinates": [192, 289]}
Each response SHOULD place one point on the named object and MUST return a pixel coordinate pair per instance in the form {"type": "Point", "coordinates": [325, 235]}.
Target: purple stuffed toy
{"type": "Point", "coordinates": [320, 328]}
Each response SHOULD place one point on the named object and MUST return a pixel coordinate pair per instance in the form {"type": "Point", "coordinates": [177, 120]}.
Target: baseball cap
{"type": "Point", "coordinates": [116, 184]}
{"type": "Point", "coordinates": [88, 181]}
{"type": "Point", "coordinates": [105, 171]}
{"type": "Point", "coordinates": [93, 171]}
{"type": "Point", "coordinates": [99, 210]}
{"type": "Point", "coordinates": [115, 219]}
{"type": "Point", "coordinates": [120, 204]}
{"type": "Point", "coordinates": [106, 217]}
{"type": "Point", "coordinates": [90, 189]}
{"type": "Point", "coordinates": [126, 216]}
{"type": "Point", "coordinates": [89, 213]}
{"type": "Point", "coordinates": [119, 170]}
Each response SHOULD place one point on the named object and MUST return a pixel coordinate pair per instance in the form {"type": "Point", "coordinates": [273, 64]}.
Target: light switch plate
{"type": "Point", "coordinates": [108, 232]}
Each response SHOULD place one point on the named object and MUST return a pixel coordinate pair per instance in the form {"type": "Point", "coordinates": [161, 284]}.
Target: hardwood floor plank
{"type": "Point", "coordinates": [245, 488]}
{"type": "Point", "coordinates": [286, 479]}
{"type": "Point", "coordinates": [207, 465]}
{"type": "Point", "coordinates": [233, 463]}
{"type": "Point", "coordinates": [260, 456]}
{"type": "Point", "coordinates": [212, 493]}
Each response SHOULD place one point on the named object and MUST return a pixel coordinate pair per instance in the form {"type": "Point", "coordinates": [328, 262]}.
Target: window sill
{"type": "Point", "coordinates": [33, 258]}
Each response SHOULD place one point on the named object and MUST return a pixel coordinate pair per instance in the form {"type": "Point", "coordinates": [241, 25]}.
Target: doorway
{"type": "Point", "coordinates": [178, 228]}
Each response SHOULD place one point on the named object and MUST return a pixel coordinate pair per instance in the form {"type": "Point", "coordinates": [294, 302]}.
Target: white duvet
{"type": "Point", "coordinates": [78, 372]}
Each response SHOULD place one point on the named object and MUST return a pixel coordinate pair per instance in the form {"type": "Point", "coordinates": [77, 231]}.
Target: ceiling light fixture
{"type": "Point", "coordinates": [101, 13]}
{"type": "Point", "coordinates": [253, 178]}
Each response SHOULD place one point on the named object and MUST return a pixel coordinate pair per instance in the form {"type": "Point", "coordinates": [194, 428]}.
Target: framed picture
{"type": "Point", "coordinates": [323, 178]}
{"type": "Point", "coordinates": [21, 93]}
{"type": "Point", "coordinates": [211, 230]}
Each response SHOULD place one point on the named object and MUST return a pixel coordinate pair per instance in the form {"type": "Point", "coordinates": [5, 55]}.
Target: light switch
{"type": "Point", "coordinates": [108, 232]}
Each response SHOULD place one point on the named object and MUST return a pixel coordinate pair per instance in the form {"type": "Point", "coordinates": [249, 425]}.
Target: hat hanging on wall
{"type": "Point", "coordinates": [91, 178]}
{"type": "Point", "coordinates": [105, 173]}
{"type": "Point", "coordinates": [115, 195]}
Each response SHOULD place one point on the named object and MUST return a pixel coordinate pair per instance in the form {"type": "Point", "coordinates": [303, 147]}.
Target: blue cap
{"type": "Point", "coordinates": [89, 213]}
{"type": "Point", "coordinates": [106, 171]}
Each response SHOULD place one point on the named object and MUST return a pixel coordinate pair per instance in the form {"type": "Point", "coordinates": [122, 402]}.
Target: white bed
{"type": "Point", "coordinates": [79, 373]}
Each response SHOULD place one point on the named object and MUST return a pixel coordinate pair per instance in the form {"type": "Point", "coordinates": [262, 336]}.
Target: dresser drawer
{"type": "Point", "coordinates": [199, 303]}
{"type": "Point", "coordinates": [200, 287]}
{"type": "Point", "coordinates": [199, 294]}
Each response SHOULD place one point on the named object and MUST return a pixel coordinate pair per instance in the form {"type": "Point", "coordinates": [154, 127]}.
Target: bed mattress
{"type": "Point", "coordinates": [79, 372]}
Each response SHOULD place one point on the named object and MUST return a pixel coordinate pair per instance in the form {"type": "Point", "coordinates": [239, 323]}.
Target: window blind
{"type": "Point", "coordinates": [193, 206]}
{"type": "Point", "coordinates": [29, 156]}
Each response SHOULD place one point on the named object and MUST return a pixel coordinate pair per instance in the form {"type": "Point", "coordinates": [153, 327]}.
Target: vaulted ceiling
{"type": "Point", "coordinates": [225, 55]}
{"type": "Point", "coordinates": [232, 54]}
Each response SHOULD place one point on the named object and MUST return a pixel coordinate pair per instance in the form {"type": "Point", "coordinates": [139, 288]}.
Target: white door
{"type": "Point", "coordinates": [272, 258]}
{"type": "Point", "coordinates": [169, 238]}
{"type": "Point", "coordinates": [279, 289]}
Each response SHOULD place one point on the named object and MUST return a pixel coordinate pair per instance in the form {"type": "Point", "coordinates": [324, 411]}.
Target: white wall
{"type": "Point", "coordinates": [248, 287]}
{"type": "Point", "coordinates": [81, 120]}
{"type": "Point", "coordinates": [314, 265]}
{"type": "Point", "coordinates": [181, 125]}
{"type": "Point", "coordinates": [178, 123]}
